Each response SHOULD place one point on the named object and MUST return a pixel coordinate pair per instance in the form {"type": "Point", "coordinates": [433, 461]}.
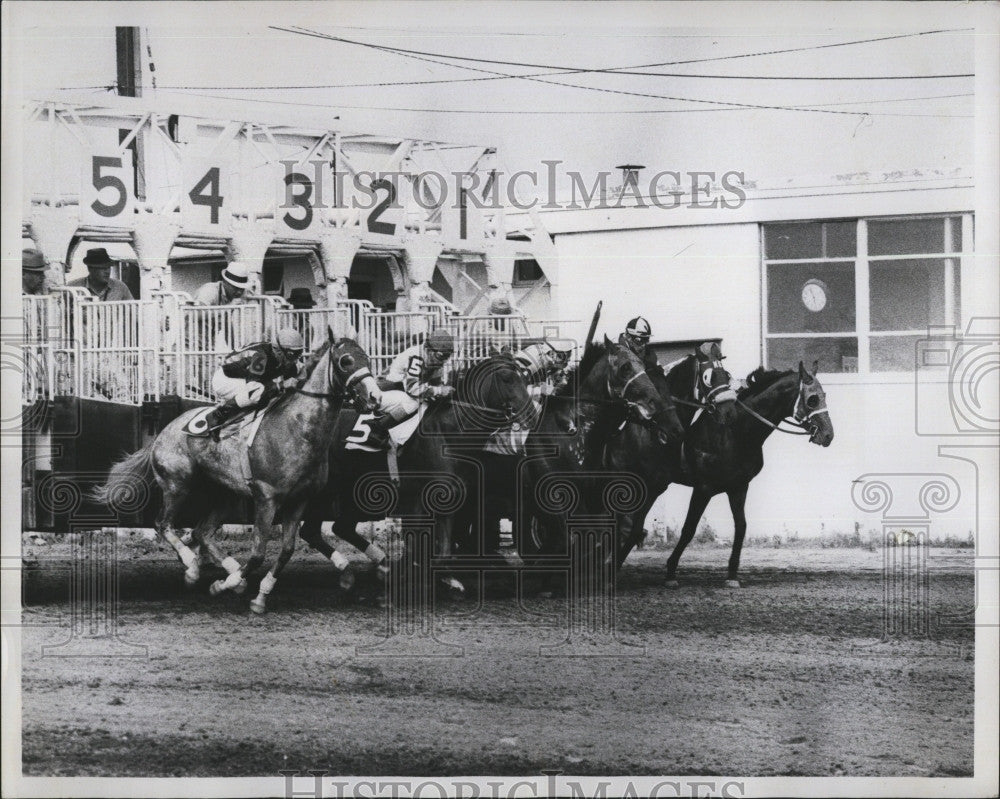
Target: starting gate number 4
{"type": "Point", "coordinates": [206, 185]}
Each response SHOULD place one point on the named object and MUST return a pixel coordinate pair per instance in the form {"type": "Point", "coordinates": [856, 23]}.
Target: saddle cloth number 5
{"type": "Point", "coordinates": [361, 432]}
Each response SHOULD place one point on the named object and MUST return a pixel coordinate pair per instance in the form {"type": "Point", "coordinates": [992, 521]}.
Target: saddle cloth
{"type": "Point", "coordinates": [398, 434]}
{"type": "Point", "coordinates": [198, 424]}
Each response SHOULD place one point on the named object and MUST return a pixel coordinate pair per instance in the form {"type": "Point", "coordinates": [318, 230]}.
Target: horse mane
{"type": "Point", "coordinates": [680, 378]}
{"type": "Point", "coordinates": [760, 379]}
{"type": "Point", "coordinates": [314, 358]}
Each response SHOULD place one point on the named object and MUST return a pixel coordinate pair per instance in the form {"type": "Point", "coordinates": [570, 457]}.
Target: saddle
{"type": "Point", "coordinates": [198, 426]}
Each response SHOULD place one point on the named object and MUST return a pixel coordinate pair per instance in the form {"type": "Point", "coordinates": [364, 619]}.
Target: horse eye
{"type": "Point", "coordinates": [707, 377]}
{"type": "Point", "coordinates": [346, 362]}
{"type": "Point", "coordinates": [812, 402]}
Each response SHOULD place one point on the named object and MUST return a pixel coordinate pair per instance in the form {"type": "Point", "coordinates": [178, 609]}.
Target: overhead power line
{"type": "Point", "coordinates": [307, 32]}
{"type": "Point", "coordinates": [418, 55]}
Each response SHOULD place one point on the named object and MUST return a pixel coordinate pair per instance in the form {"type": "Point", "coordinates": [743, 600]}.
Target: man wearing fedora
{"type": "Point", "coordinates": [231, 289]}
{"type": "Point", "coordinates": [301, 299]}
{"type": "Point", "coordinates": [33, 268]}
{"type": "Point", "coordinates": [98, 280]}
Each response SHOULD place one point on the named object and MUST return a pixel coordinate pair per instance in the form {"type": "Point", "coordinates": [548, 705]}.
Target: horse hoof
{"type": "Point", "coordinates": [347, 580]}
{"type": "Point", "coordinates": [453, 585]}
{"type": "Point", "coordinates": [672, 584]}
{"type": "Point", "coordinates": [732, 583]}
{"type": "Point", "coordinates": [187, 538]}
{"type": "Point", "coordinates": [240, 587]}
{"type": "Point", "coordinates": [382, 572]}
{"type": "Point", "coordinates": [217, 587]}
{"type": "Point", "coordinates": [258, 607]}
{"type": "Point", "coordinates": [191, 577]}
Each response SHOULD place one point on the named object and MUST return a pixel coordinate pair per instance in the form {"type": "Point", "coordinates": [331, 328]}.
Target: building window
{"type": "Point", "coordinates": [857, 295]}
{"type": "Point", "coordinates": [527, 271]}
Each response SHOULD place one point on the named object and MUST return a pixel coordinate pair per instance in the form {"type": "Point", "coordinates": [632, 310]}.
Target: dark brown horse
{"type": "Point", "coordinates": [698, 385]}
{"type": "Point", "coordinates": [442, 465]}
{"type": "Point", "coordinates": [283, 467]}
{"type": "Point", "coordinates": [561, 474]}
{"type": "Point", "coordinates": [729, 455]}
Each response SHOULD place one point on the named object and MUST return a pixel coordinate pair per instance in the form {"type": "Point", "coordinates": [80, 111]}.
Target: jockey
{"type": "Point", "coordinates": [416, 374]}
{"type": "Point", "coordinates": [254, 375]}
{"type": "Point", "coordinates": [636, 337]}
{"type": "Point", "coordinates": [544, 366]}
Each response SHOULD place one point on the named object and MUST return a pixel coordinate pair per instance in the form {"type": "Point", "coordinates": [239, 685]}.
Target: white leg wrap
{"type": "Point", "coordinates": [230, 565]}
{"type": "Point", "coordinates": [267, 584]}
{"type": "Point", "coordinates": [375, 553]}
{"type": "Point", "coordinates": [338, 560]}
{"type": "Point", "coordinates": [232, 580]}
{"type": "Point", "coordinates": [187, 557]}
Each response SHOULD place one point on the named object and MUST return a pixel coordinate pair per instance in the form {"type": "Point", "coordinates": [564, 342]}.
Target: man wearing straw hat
{"type": "Point", "coordinates": [231, 289]}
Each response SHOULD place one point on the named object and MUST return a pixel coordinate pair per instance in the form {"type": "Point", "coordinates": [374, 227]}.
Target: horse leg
{"type": "Point", "coordinates": [289, 531]}
{"type": "Point", "coordinates": [203, 534]}
{"type": "Point", "coordinates": [699, 501]}
{"type": "Point", "coordinates": [172, 494]}
{"type": "Point", "coordinates": [264, 510]}
{"type": "Point", "coordinates": [737, 503]}
{"type": "Point", "coordinates": [311, 532]}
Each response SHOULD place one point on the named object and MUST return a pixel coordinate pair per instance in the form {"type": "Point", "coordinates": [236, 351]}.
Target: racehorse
{"type": "Point", "coordinates": [445, 454]}
{"type": "Point", "coordinates": [609, 388]}
{"type": "Point", "coordinates": [698, 386]}
{"type": "Point", "coordinates": [285, 464]}
{"type": "Point", "coordinates": [730, 455]}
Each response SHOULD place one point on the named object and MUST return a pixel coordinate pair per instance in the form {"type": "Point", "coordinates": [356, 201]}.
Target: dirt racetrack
{"type": "Point", "coordinates": [786, 676]}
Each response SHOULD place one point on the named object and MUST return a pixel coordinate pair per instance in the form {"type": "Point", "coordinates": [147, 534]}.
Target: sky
{"type": "Point", "coordinates": [454, 91]}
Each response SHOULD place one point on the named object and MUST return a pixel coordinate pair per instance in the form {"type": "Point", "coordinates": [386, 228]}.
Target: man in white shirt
{"type": "Point", "coordinates": [231, 289]}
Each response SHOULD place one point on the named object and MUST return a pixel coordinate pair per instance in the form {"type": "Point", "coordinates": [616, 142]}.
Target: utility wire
{"type": "Point", "coordinates": [417, 55]}
{"type": "Point", "coordinates": [307, 32]}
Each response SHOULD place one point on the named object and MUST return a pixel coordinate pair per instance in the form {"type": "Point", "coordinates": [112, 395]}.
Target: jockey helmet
{"type": "Point", "coordinates": [710, 351]}
{"type": "Point", "coordinates": [639, 329]}
{"type": "Point", "coordinates": [440, 340]}
{"type": "Point", "coordinates": [290, 341]}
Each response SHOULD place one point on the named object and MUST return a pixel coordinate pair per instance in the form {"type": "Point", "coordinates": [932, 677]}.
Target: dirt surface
{"type": "Point", "coordinates": [785, 676]}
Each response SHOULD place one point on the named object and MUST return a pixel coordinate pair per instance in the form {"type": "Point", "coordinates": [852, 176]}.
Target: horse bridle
{"type": "Point", "coordinates": [333, 380]}
{"type": "Point", "coordinates": [801, 416]}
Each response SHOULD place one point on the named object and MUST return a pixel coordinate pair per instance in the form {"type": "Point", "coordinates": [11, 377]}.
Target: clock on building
{"type": "Point", "coordinates": [814, 295]}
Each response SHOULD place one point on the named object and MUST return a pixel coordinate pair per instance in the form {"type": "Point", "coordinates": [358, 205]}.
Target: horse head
{"type": "Point", "coordinates": [810, 407]}
{"type": "Point", "coordinates": [627, 381]}
{"type": "Point", "coordinates": [496, 388]}
{"type": "Point", "coordinates": [350, 371]}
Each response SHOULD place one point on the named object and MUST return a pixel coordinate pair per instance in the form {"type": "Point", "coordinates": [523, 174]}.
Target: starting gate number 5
{"type": "Point", "coordinates": [101, 181]}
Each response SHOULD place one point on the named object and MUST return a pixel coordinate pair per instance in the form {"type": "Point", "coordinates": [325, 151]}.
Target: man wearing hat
{"type": "Point", "coordinates": [231, 289]}
{"type": "Point", "coordinates": [98, 280]}
{"type": "Point", "coordinates": [301, 299]}
{"type": "Point", "coordinates": [32, 271]}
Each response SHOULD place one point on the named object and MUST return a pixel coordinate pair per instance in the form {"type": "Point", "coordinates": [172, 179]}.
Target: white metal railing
{"type": "Point", "coordinates": [385, 334]}
{"type": "Point", "coordinates": [209, 333]}
{"type": "Point", "coordinates": [41, 331]}
{"type": "Point", "coordinates": [138, 350]}
{"type": "Point", "coordinates": [118, 351]}
{"type": "Point", "coordinates": [312, 323]}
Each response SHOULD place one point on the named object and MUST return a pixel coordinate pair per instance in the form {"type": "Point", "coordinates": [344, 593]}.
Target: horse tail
{"type": "Point", "coordinates": [128, 480]}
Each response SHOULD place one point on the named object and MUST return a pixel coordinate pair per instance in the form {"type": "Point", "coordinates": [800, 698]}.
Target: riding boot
{"type": "Point", "coordinates": [219, 416]}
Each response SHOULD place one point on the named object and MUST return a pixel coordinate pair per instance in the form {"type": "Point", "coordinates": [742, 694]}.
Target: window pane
{"type": "Point", "coordinates": [833, 354]}
{"type": "Point", "coordinates": [796, 240]}
{"type": "Point", "coordinates": [894, 353]}
{"type": "Point", "coordinates": [903, 236]}
{"type": "Point", "coordinates": [810, 298]}
{"type": "Point", "coordinates": [907, 295]}
{"type": "Point", "coordinates": [841, 239]}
